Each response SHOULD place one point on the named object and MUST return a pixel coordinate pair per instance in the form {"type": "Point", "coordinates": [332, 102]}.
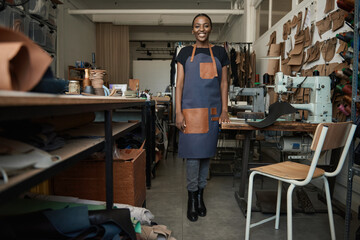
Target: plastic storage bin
{"type": "Point", "coordinates": [52, 19]}
{"type": "Point", "coordinates": [50, 39]}
{"type": "Point", "coordinates": [4, 17]}
{"type": "Point", "coordinates": [17, 21]}
{"type": "Point", "coordinates": [37, 32]}
{"type": "Point", "coordinates": [39, 8]}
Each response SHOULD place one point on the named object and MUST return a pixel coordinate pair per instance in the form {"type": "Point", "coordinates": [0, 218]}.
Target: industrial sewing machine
{"type": "Point", "coordinates": [257, 94]}
{"type": "Point", "coordinates": [319, 107]}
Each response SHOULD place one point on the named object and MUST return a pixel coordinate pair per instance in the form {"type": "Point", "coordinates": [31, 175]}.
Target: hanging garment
{"type": "Point", "coordinates": [234, 72]}
{"type": "Point", "coordinates": [201, 100]}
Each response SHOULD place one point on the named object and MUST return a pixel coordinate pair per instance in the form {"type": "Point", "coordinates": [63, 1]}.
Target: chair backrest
{"type": "Point", "coordinates": [338, 135]}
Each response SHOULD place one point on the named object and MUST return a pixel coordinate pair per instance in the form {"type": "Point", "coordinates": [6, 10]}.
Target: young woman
{"type": "Point", "coordinates": [201, 104]}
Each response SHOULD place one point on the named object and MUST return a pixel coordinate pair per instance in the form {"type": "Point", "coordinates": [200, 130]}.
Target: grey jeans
{"type": "Point", "coordinates": [196, 173]}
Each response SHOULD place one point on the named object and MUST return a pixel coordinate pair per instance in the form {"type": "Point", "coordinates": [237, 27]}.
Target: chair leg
{"type": "Point", "coordinates": [289, 211]}
{"type": "Point", "coordinates": [329, 206]}
{"type": "Point", "coordinates": [278, 205]}
{"type": "Point", "coordinates": [249, 203]}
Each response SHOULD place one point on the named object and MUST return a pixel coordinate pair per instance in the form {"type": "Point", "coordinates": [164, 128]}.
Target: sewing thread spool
{"type": "Point", "coordinates": [347, 89]}
{"type": "Point", "coordinates": [343, 110]}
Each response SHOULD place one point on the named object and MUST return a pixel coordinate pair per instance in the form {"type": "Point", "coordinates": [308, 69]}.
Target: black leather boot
{"type": "Point", "coordinates": [201, 204]}
{"type": "Point", "coordinates": [192, 211]}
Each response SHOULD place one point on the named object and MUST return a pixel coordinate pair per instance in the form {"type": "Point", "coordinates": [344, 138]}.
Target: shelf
{"type": "Point", "coordinates": [42, 105]}
{"type": "Point", "coordinates": [74, 150]}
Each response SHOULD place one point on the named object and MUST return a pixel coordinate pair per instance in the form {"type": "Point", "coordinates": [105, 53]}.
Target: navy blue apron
{"type": "Point", "coordinates": [201, 106]}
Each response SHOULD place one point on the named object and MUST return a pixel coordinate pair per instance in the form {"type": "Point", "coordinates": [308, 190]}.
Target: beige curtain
{"type": "Point", "coordinates": [112, 51]}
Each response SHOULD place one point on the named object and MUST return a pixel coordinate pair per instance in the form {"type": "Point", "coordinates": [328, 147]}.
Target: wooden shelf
{"type": "Point", "coordinates": [15, 105]}
{"type": "Point", "coordinates": [69, 153]}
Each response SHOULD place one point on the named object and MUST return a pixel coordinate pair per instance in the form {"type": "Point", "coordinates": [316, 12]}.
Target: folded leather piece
{"type": "Point", "coordinates": [328, 49]}
{"type": "Point", "coordinates": [338, 19]}
{"type": "Point", "coordinates": [272, 40]}
{"type": "Point", "coordinates": [324, 25]}
{"type": "Point", "coordinates": [121, 217]}
{"type": "Point", "coordinates": [276, 110]}
{"type": "Point", "coordinates": [300, 37]}
{"type": "Point", "coordinates": [330, 4]}
{"type": "Point", "coordinates": [297, 68]}
{"type": "Point", "coordinates": [294, 21]}
{"type": "Point", "coordinates": [286, 30]}
{"type": "Point", "coordinates": [273, 66]}
{"type": "Point", "coordinates": [296, 59]}
{"type": "Point", "coordinates": [14, 59]}
{"type": "Point", "coordinates": [336, 67]}
{"type": "Point", "coordinates": [274, 50]}
{"type": "Point", "coordinates": [312, 30]}
{"type": "Point", "coordinates": [314, 53]}
{"type": "Point", "coordinates": [321, 69]}
{"type": "Point", "coordinates": [26, 71]}
{"type": "Point", "coordinates": [299, 22]}
{"type": "Point", "coordinates": [308, 72]}
{"type": "Point", "coordinates": [307, 37]}
{"type": "Point", "coordinates": [285, 68]}
{"type": "Point", "coordinates": [282, 50]}
{"type": "Point", "coordinates": [343, 47]}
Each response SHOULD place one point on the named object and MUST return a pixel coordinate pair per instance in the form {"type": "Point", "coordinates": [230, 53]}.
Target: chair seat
{"type": "Point", "coordinates": [289, 170]}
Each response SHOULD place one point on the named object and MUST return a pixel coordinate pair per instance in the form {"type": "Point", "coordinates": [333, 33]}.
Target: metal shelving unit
{"type": "Point", "coordinates": [353, 170]}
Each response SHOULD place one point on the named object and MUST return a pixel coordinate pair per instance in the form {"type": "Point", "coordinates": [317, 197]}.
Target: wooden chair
{"type": "Point", "coordinates": [327, 136]}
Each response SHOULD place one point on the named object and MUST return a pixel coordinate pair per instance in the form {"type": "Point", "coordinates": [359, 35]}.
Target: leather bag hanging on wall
{"type": "Point", "coordinates": [324, 25]}
{"type": "Point", "coordinates": [330, 4]}
{"type": "Point", "coordinates": [22, 62]}
{"type": "Point", "coordinates": [328, 49]}
{"type": "Point", "coordinates": [338, 19]}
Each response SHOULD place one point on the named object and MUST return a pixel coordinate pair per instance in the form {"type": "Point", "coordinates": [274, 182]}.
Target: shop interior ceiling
{"type": "Point", "coordinates": [160, 16]}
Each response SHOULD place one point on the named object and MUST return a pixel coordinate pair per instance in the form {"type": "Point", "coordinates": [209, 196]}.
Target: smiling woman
{"type": "Point", "coordinates": [201, 104]}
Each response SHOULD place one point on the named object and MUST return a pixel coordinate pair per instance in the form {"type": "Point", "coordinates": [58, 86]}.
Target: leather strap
{"type": "Point", "coordinates": [213, 60]}
{"type": "Point", "coordinates": [211, 54]}
{"type": "Point", "coordinates": [193, 53]}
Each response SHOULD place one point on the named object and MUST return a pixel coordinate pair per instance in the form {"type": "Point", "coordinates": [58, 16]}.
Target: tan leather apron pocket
{"type": "Point", "coordinates": [197, 120]}
{"type": "Point", "coordinates": [207, 70]}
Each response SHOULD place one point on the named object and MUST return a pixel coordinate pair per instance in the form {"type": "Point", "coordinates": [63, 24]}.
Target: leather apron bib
{"type": "Point", "coordinates": [201, 106]}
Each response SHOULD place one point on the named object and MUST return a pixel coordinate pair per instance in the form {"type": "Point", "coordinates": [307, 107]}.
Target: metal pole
{"type": "Point", "coordinates": [353, 118]}
{"type": "Point", "coordinates": [109, 159]}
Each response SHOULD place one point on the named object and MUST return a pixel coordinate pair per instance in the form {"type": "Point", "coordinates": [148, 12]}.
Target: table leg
{"type": "Point", "coordinates": [240, 195]}
{"type": "Point", "coordinates": [109, 160]}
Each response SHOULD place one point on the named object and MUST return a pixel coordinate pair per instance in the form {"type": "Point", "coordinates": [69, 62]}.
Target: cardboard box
{"type": "Point", "coordinates": [87, 179]}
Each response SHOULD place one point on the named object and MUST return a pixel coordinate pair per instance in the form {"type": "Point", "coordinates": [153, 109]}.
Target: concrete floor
{"type": "Point", "coordinates": [167, 200]}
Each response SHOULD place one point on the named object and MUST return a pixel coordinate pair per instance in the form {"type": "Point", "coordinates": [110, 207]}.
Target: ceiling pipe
{"type": "Point", "coordinates": [157, 11]}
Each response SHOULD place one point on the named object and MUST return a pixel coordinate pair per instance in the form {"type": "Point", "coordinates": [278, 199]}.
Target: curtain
{"type": "Point", "coordinates": [112, 52]}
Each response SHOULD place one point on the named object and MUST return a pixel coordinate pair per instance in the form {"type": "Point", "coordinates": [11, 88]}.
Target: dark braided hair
{"type": "Point", "coordinates": [201, 15]}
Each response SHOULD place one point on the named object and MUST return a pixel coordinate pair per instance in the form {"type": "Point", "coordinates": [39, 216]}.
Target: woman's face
{"type": "Point", "coordinates": [201, 29]}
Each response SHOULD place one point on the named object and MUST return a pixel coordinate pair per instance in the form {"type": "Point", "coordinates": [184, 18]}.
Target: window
{"type": "Point", "coordinates": [262, 18]}
{"type": "Point", "coordinates": [279, 8]}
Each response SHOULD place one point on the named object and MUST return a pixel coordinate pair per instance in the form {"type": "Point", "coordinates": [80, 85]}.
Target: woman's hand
{"type": "Point", "coordinates": [224, 118]}
{"type": "Point", "coordinates": [180, 121]}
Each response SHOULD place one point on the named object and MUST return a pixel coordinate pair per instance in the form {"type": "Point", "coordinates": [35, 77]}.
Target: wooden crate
{"type": "Point", "coordinates": [86, 180]}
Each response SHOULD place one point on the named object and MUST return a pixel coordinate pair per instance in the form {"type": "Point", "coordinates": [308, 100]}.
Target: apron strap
{"type": "Point", "coordinates": [211, 54]}
{"type": "Point", "coordinates": [193, 53]}
{"type": "Point", "coordinates": [213, 60]}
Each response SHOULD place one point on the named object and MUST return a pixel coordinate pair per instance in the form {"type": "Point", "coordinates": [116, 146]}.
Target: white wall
{"type": "Point", "coordinates": [76, 37]}
{"type": "Point", "coordinates": [153, 75]}
{"type": "Point", "coordinates": [261, 67]}
{"type": "Point", "coordinates": [260, 44]}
